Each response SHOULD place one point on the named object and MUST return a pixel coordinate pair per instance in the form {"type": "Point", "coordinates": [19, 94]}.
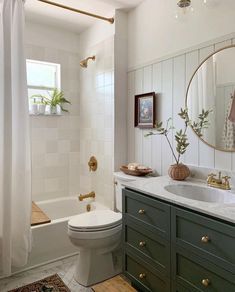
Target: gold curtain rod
{"type": "Point", "coordinates": [110, 20]}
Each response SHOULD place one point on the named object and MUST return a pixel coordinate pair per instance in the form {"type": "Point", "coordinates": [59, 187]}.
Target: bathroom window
{"type": "Point", "coordinates": [42, 78]}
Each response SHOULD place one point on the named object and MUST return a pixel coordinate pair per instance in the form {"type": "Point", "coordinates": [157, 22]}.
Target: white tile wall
{"type": "Point", "coordinates": [97, 121]}
{"type": "Point", "coordinates": [55, 140]}
{"type": "Point", "coordinates": [169, 79]}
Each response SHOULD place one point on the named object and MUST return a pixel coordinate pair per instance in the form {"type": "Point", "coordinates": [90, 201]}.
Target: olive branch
{"type": "Point", "coordinates": [181, 136]}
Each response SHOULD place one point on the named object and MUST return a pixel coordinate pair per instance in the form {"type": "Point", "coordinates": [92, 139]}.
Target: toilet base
{"type": "Point", "coordinates": [92, 268]}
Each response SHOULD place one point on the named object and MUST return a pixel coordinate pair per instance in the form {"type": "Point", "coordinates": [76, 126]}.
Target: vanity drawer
{"type": "Point", "coordinates": [144, 277]}
{"type": "Point", "coordinates": [197, 277]}
{"type": "Point", "coordinates": [181, 288]}
{"type": "Point", "coordinates": [204, 236]}
{"type": "Point", "coordinates": [155, 250]}
{"type": "Point", "coordinates": [147, 210]}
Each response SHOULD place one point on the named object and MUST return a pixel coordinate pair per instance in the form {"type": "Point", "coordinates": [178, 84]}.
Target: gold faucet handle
{"type": "Point", "coordinates": [226, 178]}
{"type": "Point", "coordinates": [211, 175]}
{"type": "Point", "coordinates": [226, 182]}
{"type": "Point", "coordinates": [92, 163]}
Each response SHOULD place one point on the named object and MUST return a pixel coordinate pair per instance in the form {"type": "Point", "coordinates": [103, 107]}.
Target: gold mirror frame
{"type": "Point", "coordinates": [186, 99]}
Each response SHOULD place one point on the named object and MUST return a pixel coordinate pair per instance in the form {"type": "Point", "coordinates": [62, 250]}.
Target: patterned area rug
{"type": "Point", "coordinates": [49, 284]}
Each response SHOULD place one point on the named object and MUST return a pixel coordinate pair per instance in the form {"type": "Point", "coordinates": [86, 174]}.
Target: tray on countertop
{"type": "Point", "coordinates": [136, 172]}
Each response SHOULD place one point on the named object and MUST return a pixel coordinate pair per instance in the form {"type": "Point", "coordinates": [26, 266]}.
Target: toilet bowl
{"type": "Point", "coordinates": [97, 235]}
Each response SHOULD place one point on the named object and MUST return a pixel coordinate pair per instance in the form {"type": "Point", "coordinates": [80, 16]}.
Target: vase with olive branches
{"type": "Point", "coordinates": [180, 171]}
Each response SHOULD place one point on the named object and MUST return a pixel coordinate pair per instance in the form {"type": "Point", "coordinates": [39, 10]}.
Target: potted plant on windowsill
{"type": "Point", "coordinates": [55, 101]}
{"type": "Point", "coordinates": [180, 171]}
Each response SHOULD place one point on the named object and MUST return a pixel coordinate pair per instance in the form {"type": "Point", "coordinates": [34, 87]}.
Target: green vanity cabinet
{"type": "Point", "coordinates": [146, 236]}
{"type": "Point", "coordinates": [172, 249]}
{"type": "Point", "coordinates": [203, 252]}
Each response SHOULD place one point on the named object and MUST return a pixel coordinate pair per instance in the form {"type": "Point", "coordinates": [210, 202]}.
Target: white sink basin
{"type": "Point", "coordinates": [200, 193]}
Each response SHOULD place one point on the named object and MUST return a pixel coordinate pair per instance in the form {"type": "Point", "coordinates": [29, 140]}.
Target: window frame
{"type": "Point", "coordinates": [57, 75]}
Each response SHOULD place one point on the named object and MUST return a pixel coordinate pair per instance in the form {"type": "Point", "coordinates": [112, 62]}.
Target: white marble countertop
{"type": "Point", "coordinates": [155, 187]}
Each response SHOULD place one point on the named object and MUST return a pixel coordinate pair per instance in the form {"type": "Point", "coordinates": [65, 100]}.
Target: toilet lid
{"type": "Point", "coordinates": [95, 220]}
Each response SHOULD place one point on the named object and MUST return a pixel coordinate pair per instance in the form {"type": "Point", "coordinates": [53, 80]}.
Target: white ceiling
{"type": "Point", "coordinates": [47, 14]}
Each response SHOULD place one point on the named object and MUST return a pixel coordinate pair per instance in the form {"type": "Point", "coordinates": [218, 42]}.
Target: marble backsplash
{"type": "Point", "coordinates": [202, 173]}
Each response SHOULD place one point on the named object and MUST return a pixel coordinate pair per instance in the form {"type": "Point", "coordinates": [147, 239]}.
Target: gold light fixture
{"type": "Point", "coordinates": [184, 3]}
{"type": "Point", "coordinates": [84, 63]}
{"type": "Point", "coordinates": [184, 6]}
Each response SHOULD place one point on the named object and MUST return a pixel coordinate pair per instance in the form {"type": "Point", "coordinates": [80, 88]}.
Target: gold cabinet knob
{"type": "Point", "coordinates": [205, 239]}
{"type": "Point", "coordinates": [142, 276]}
{"type": "Point", "coordinates": [142, 243]}
{"type": "Point", "coordinates": [141, 211]}
{"type": "Point", "coordinates": [206, 282]}
{"type": "Point", "coordinates": [115, 183]}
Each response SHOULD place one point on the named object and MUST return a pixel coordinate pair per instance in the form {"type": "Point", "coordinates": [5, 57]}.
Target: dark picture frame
{"type": "Point", "coordinates": [145, 110]}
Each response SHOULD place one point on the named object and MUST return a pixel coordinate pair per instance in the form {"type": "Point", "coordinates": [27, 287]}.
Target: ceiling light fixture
{"type": "Point", "coordinates": [184, 3]}
{"type": "Point", "coordinates": [184, 7]}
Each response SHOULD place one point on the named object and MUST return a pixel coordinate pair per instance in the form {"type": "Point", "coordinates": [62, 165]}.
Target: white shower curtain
{"type": "Point", "coordinates": [15, 166]}
{"type": "Point", "coordinates": [202, 95]}
{"type": "Point", "coordinates": [207, 94]}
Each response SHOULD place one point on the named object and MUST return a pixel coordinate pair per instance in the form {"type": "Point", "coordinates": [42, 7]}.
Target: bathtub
{"type": "Point", "coordinates": [50, 241]}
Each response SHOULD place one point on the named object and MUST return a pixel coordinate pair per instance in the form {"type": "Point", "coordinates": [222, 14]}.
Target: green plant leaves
{"type": "Point", "coordinates": [56, 98]}
{"type": "Point", "coordinates": [181, 136]}
{"type": "Point", "coordinates": [203, 122]}
{"type": "Point", "coordinates": [182, 142]}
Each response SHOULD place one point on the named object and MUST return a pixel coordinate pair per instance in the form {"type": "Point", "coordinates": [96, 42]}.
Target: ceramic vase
{"type": "Point", "coordinates": [179, 171]}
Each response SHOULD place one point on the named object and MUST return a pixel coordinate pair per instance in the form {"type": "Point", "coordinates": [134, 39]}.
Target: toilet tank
{"type": "Point", "coordinates": [119, 179]}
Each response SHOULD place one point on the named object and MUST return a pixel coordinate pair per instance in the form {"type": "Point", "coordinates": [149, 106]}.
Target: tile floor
{"type": "Point", "coordinates": [64, 268]}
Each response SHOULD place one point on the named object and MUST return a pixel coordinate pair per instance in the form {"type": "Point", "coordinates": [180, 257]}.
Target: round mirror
{"type": "Point", "coordinates": [210, 100]}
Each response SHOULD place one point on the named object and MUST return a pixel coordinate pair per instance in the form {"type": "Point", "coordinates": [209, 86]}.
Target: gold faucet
{"type": "Point", "coordinates": [86, 196]}
{"type": "Point", "coordinates": [220, 182]}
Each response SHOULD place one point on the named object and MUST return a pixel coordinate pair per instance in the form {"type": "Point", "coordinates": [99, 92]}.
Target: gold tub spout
{"type": "Point", "coordinates": [86, 196]}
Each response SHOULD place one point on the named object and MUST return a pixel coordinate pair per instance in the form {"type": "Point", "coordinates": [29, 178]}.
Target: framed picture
{"type": "Point", "coordinates": [145, 110]}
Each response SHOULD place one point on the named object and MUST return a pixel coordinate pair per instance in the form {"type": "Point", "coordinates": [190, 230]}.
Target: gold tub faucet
{"type": "Point", "coordinates": [86, 196]}
{"type": "Point", "coordinates": [220, 182]}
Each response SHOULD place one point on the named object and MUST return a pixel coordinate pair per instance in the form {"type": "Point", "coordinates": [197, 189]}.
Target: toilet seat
{"type": "Point", "coordinates": [98, 220]}
{"type": "Point", "coordinates": [98, 234]}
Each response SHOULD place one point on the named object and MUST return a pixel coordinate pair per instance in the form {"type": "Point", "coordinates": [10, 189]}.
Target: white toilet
{"type": "Point", "coordinates": [97, 235]}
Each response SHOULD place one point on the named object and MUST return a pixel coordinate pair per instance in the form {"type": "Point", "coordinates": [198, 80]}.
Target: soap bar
{"type": "Point", "coordinates": [133, 166]}
{"type": "Point", "coordinates": [136, 166]}
{"type": "Point", "coordinates": [142, 167]}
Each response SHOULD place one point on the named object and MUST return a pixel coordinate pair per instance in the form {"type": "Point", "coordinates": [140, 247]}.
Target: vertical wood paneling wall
{"type": "Point", "coordinates": [169, 79]}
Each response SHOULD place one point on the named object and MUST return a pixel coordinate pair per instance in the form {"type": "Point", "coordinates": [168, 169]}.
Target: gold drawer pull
{"type": "Point", "coordinates": [141, 211]}
{"type": "Point", "coordinates": [205, 239]}
{"type": "Point", "coordinates": [142, 276]}
{"type": "Point", "coordinates": [206, 282]}
{"type": "Point", "coordinates": [142, 243]}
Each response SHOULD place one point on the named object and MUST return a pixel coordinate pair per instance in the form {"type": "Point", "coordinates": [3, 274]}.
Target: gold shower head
{"type": "Point", "coordinates": [84, 62]}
